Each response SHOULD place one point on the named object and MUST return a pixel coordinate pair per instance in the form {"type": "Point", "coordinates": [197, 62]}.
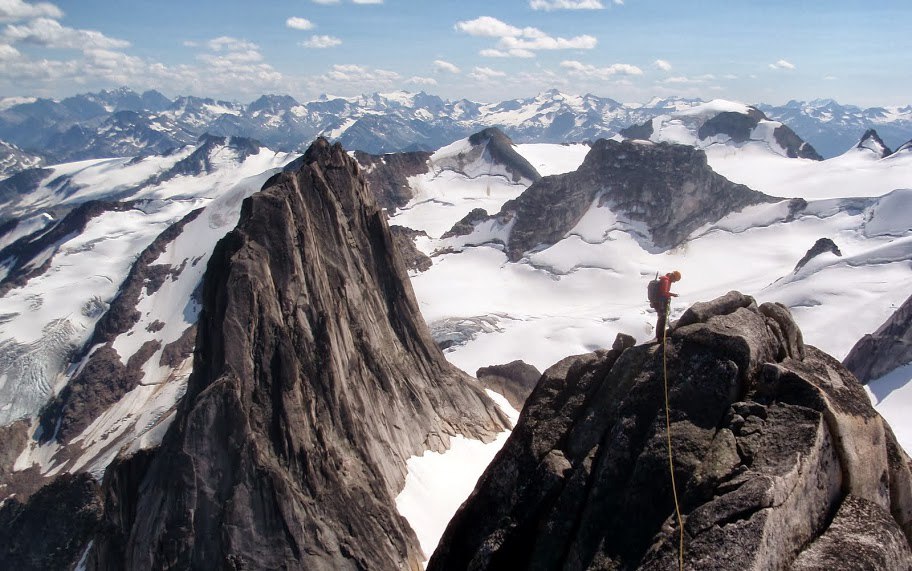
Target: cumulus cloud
{"type": "Point", "coordinates": [351, 73]}
{"type": "Point", "coordinates": [662, 64]}
{"type": "Point", "coordinates": [487, 26]}
{"type": "Point", "coordinates": [416, 80]}
{"type": "Point", "coordinates": [520, 42]}
{"type": "Point", "coordinates": [782, 64]}
{"type": "Point", "coordinates": [51, 34]}
{"type": "Point", "coordinates": [441, 65]}
{"type": "Point", "coordinates": [549, 5]}
{"type": "Point", "coordinates": [321, 42]}
{"type": "Point", "coordinates": [8, 52]}
{"type": "Point", "coordinates": [580, 69]}
{"type": "Point", "coordinates": [296, 23]}
{"type": "Point", "coordinates": [486, 73]}
{"type": "Point", "coordinates": [229, 44]}
{"type": "Point", "coordinates": [15, 10]}
{"type": "Point", "coordinates": [682, 80]}
{"type": "Point", "coordinates": [511, 53]}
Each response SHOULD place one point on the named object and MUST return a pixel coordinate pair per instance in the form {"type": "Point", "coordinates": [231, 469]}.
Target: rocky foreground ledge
{"type": "Point", "coordinates": [780, 460]}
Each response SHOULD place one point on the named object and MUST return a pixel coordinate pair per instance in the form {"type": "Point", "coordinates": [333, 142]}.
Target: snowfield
{"type": "Point", "coordinates": [54, 314]}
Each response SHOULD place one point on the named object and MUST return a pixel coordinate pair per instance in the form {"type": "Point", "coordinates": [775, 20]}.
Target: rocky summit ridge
{"type": "Point", "coordinates": [779, 459]}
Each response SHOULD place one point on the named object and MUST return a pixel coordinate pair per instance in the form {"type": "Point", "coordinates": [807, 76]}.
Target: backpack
{"type": "Point", "coordinates": [652, 292]}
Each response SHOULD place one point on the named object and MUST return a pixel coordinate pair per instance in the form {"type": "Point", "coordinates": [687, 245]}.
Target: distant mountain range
{"type": "Point", "coordinates": [123, 123]}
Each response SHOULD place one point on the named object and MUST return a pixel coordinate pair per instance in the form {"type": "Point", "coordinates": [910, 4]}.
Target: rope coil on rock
{"type": "Point", "coordinates": [674, 489]}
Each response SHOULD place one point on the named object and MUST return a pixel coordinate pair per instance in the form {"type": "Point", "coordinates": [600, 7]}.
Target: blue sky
{"type": "Point", "coordinates": [631, 50]}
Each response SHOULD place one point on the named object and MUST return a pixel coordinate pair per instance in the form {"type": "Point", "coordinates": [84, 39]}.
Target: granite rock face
{"type": "Point", "coordinates": [415, 259]}
{"type": "Point", "coordinates": [780, 461]}
{"type": "Point", "coordinates": [514, 380]}
{"type": "Point", "coordinates": [821, 246]}
{"type": "Point", "coordinates": [500, 149]}
{"type": "Point", "coordinates": [670, 188]}
{"type": "Point", "coordinates": [387, 175]}
{"type": "Point", "coordinates": [314, 380]}
{"type": "Point", "coordinates": [888, 348]}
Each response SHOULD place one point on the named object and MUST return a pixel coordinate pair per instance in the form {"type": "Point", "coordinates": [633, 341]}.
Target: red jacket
{"type": "Point", "coordinates": [665, 287]}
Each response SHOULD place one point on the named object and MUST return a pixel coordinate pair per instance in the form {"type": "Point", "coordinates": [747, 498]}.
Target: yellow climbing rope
{"type": "Point", "coordinates": [674, 489]}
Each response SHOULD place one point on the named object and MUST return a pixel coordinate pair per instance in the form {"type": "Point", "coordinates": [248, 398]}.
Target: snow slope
{"type": "Point", "coordinates": [53, 316]}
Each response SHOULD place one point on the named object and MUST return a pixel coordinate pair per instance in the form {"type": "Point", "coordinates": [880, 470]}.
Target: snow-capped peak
{"type": "Point", "coordinates": [872, 142]}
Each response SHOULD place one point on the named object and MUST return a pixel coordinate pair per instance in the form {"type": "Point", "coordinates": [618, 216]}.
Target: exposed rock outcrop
{"type": "Point", "coordinates": [669, 188]}
{"type": "Point", "coordinates": [387, 175]}
{"type": "Point", "coordinates": [871, 141]}
{"type": "Point", "coordinates": [500, 149]}
{"type": "Point", "coordinates": [795, 147]}
{"type": "Point", "coordinates": [467, 224]}
{"type": "Point", "coordinates": [779, 460]}
{"type": "Point", "coordinates": [888, 348]}
{"type": "Point", "coordinates": [404, 239]}
{"type": "Point", "coordinates": [486, 153]}
{"type": "Point", "coordinates": [821, 246]}
{"type": "Point", "coordinates": [50, 530]}
{"type": "Point", "coordinates": [514, 380]}
{"type": "Point", "coordinates": [314, 380]}
{"type": "Point", "coordinates": [738, 126]}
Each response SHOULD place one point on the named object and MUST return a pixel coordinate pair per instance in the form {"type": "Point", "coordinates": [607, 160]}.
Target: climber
{"type": "Point", "coordinates": [660, 295]}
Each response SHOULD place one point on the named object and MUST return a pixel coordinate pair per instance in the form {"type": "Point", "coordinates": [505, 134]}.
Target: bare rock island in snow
{"type": "Point", "coordinates": [885, 350]}
{"type": "Point", "coordinates": [314, 380]}
{"type": "Point", "coordinates": [780, 460]}
{"type": "Point", "coordinates": [668, 188]}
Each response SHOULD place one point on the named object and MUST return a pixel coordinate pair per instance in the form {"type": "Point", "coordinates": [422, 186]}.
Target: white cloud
{"type": "Point", "coordinates": [15, 10]}
{"type": "Point", "coordinates": [520, 42]}
{"type": "Point", "coordinates": [580, 69]}
{"type": "Point", "coordinates": [681, 80]}
{"type": "Point", "coordinates": [662, 64]}
{"type": "Point", "coordinates": [368, 1]}
{"type": "Point", "coordinates": [782, 64]}
{"type": "Point", "coordinates": [730, 76]}
{"type": "Point", "coordinates": [50, 33]}
{"type": "Point", "coordinates": [8, 52]}
{"type": "Point", "coordinates": [351, 73]}
{"type": "Point", "coordinates": [321, 42]}
{"type": "Point", "coordinates": [415, 80]}
{"type": "Point", "coordinates": [549, 5]}
{"type": "Point", "coordinates": [229, 44]}
{"type": "Point", "coordinates": [486, 73]}
{"type": "Point", "coordinates": [489, 27]}
{"type": "Point", "coordinates": [830, 78]}
{"type": "Point", "coordinates": [548, 43]}
{"type": "Point", "coordinates": [511, 53]}
{"type": "Point", "coordinates": [326, 1]}
{"type": "Point", "coordinates": [441, 65]}
{"type": "Point", "coordinates": [296, 23]}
